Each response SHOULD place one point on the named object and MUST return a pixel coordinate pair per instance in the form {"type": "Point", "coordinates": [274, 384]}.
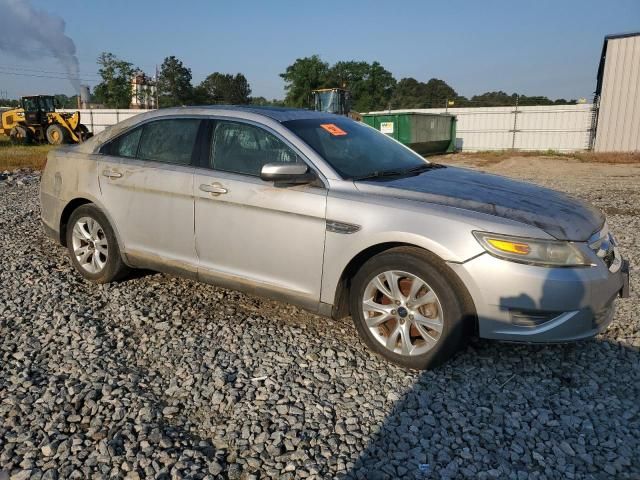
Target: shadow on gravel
{"type": "Point", "coordinates": [516, 411]}
{"type": "Point", "coordinates": [507, 411]}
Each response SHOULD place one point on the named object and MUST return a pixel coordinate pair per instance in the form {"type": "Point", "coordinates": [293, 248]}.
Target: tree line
{"type": "Point", "coordinates": [372, 87]}
{"type": "Point", "coordinates": [174, 85]}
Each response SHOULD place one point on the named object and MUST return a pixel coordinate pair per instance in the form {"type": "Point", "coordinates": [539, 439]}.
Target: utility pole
{"type": "Point", "coordinates": [515, 124]}
{"type": "Point", "coordinates": [157, 77]}
{"type": "Point", "coordinates": [446, 106]}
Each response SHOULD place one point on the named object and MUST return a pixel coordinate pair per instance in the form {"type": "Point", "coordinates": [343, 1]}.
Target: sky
{"type": "Point", "coordinates": [543, 47]}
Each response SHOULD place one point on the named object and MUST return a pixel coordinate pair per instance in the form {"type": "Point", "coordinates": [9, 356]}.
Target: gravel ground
{"type": "Point", "coordinates": [159, 377]}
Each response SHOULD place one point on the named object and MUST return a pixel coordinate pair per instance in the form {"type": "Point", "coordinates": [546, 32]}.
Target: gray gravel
{"type": "Point", "coordinates": [160, 377]}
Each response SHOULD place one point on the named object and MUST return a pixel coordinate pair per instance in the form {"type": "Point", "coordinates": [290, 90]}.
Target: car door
{"type": "Point", "coordinates": [251, 234]}
{"type": "Point", "coordinates": [146, 181]}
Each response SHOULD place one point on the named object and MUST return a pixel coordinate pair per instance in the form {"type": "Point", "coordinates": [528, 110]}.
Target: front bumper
{"type": "Point", "coordinates": [526, 303]}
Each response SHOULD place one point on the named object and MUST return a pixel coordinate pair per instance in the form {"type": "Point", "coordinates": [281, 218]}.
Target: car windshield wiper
{"type": "Point", "coordinates": [397, 172]}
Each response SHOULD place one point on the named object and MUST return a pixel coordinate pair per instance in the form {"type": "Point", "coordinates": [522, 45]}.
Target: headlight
{"type": "Point", "coordinates": [548, 253]}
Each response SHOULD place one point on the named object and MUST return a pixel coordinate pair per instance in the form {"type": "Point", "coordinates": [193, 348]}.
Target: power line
{"type": "Point", "coordinates": [47, 76]}
{"type": "Point", "coordinates": [20, 68]}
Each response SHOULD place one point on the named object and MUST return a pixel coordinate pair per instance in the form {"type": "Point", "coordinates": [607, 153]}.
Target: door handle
{"type": "Point", "coordinates": [111, 174]}
{"type": "Point", "coordinates": [215, 189]}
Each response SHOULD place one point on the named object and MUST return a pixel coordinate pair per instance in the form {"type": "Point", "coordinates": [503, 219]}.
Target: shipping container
{"type": "Point", "coordinates": [426, 133]}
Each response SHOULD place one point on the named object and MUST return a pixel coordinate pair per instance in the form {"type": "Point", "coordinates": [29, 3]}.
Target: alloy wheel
{"type": "Point", "coordinates": [403, 312]}
{"type": "Point", "coordinates": [90, 245]}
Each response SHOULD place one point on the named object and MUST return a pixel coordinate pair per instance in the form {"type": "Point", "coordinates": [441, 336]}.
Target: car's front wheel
{"type": "Point", "coordinates": [93, 246]}
{"type": "Point", "coordinates": [406, 308]}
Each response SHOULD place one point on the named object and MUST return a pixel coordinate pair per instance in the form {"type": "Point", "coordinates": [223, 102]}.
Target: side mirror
{"type": "Point", "coordinates": [287, 173]}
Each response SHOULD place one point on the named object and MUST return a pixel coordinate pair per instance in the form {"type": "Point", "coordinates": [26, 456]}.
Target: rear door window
{"type": "Point", "coordinates": [169, 141]}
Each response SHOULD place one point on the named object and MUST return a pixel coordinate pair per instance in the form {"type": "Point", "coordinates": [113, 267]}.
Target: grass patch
{"type": "Point", "coordinates": [22, 156]}
{"type": "Point", "coordinates": [611, 157]}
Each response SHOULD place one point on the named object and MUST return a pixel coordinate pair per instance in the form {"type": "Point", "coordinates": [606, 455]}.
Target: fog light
{"type": "Point", "coordinates": [531, 319]}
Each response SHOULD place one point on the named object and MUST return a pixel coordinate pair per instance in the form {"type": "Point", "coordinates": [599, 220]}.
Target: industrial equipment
{"type": "Point", "coordinates": [332, 100]}
{"type": "Point", "coordinates": [38, 121]}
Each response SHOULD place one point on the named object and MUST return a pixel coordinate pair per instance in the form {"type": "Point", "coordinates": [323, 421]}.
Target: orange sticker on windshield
{"type": "Point", "coordinates": [333, 129]}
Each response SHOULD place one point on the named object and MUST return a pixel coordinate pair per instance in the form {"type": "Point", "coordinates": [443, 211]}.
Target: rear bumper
{"type": "Point", "coordinates": [51, 210]}
{"type": "Point", "coordinates": [52, 233]}
{"type": "Point", "coordinates": [526, 303]}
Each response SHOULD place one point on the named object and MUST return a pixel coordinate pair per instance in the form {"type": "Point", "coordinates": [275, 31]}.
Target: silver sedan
{"type": "Point", "coordinates": [334, 216]}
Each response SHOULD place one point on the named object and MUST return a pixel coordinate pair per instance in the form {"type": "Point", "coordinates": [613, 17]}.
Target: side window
{"type": "Point", "coordinates": [169, 141]}
{"type": "Point", "coordinates": [243, 148]}
{"type": "Point", "coordinates": [125, 145]}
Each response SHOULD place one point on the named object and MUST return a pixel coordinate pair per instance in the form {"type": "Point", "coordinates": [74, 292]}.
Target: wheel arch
{"type": "Point", "coordinates": [66, 215]}
{"type": "Point", "coordinates": [343, 289]}
{"type": "Point", "coordinates": [73, 205]}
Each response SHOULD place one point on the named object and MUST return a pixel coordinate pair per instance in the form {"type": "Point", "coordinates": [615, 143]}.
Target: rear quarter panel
{"type": "Point", "coordinates": [68, 175]}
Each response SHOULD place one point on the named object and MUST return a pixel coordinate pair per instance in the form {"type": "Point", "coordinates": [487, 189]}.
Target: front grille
{"type": "Point", "coordinates": [604, 245]}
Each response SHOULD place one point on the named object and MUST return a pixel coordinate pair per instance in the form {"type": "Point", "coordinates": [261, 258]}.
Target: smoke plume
{"type": "Point", "coordinates": [29, 33]}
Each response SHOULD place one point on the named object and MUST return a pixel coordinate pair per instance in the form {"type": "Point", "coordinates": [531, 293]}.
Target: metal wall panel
{"type": "Point", "coordinates": [97, 120]}
{"type": "Point", "coordinates": [553, 127]}
{"type": "Point", "coordinates": [618, 127]}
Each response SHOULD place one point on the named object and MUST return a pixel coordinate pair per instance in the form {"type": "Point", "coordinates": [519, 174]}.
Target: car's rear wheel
{"type": "Point", "coordinates": [93, 246]}
{"type": "Point", "coordinates": [406, 308]}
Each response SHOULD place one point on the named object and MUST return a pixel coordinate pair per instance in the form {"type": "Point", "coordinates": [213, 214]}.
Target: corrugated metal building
{"type": "Point", "coordinates": [618, 95]}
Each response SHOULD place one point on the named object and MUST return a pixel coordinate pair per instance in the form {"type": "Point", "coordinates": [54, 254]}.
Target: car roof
{"type": "Point", "coordinates": [279, 114]}
{"type": "Point", "coordinates": [247, 112]}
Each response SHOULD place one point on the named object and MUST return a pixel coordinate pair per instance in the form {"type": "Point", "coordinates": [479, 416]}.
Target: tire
{"type": "Point", "coordinates": [83, 133]}
{"type": "Point", "coordinates": [396, 326]}
{"type": "Point", "coordinates": [57, 134]}
{"type": "Point", "coordinates": [93, 246]}
{"type": "Point", "coordinates": [20, 135]}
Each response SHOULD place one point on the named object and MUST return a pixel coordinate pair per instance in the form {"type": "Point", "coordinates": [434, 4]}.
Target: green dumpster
{"type": "Point", "coordinates": [426, 133]}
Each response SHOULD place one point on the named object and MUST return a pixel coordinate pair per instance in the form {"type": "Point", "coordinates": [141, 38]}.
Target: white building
{"type": "Point", "coordinates": [618, 95]}
{"type": "Point", "coordinates": [143, 92]}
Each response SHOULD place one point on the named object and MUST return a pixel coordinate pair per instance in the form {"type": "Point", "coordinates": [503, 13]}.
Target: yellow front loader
{"type": "Point", "coordinates": [38, 121]}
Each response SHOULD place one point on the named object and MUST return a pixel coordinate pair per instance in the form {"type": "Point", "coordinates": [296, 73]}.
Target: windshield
{"type": "Point", "coordinates": [47, 104]}
{"type": "Point", "coordinates": [325, 101]}
{"type": "Point", "coordinates": [30, 104]}
{"type": "Point", "coordinates": [353, 149]}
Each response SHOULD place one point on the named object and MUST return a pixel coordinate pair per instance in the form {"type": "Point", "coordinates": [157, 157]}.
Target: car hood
{"type": "Point", "coordinates": [561, 216]}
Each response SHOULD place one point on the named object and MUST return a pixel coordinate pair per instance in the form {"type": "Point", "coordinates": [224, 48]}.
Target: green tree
{"type": "Point", "coordinates": [410, 93]}
{"type": "Point", "coordinates": [304, 75]}
{"type": "Point", "coordinates": [10, 103]}
{"type": "Point", "coordinates": [502, 99]}
{"type": "Point", "coordinates": [379, 87]}
{"type": "Point", "coordinates": [350, 75]}
{"type": "Point", "coordinates": [494, 99]}
{"type": "Point", "coordinates": [64, 101]}
{"type": "Point", "coordinates": [371, 85]}
{"type": "Point", "coordinates": [263, 102]}
{"type": "Point", "coordinates": [115, 89]}
{"type": "Point", "coordinates": [174, 83]}
{"type": "Point", "coordinates": [224, 88]}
